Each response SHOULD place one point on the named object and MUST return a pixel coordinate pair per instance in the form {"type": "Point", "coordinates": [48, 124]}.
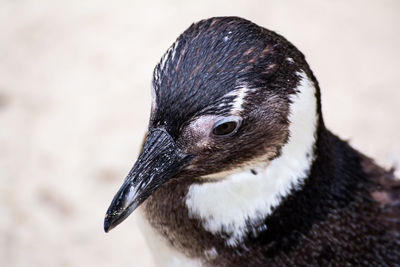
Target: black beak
{"type": "Point", "coordinates": [158, 162]}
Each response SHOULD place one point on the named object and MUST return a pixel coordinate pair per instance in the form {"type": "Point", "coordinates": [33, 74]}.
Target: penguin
{"type": "Point", "coordinates": [238, 169]}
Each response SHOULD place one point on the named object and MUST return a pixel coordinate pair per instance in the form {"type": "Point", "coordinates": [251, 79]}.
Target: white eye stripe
{"type": "Point", "coordinates": [237, 103]}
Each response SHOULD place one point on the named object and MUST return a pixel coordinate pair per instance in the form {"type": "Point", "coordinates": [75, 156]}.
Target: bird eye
{"type": "Point", "coordinates": [227, 126]}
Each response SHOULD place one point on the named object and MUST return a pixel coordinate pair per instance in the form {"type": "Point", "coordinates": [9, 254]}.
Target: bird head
{"type": "Point", "coordinates": [221, 100]}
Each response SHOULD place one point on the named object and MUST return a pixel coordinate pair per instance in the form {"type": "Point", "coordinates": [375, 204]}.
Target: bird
{"type": "Point", "coordinates": [237, 167]}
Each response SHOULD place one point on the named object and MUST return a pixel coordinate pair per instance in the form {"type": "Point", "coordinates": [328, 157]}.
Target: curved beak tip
{"type": "Point", "coordinates": [107, 224]}
{"type": "Point", "coordinates": [158, 162]}
{"type": "Point", "coordinates": [112, 219]}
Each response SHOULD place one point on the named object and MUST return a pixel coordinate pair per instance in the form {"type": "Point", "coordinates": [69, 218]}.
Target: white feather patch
{"type": "Point", "coordinates": [239, 94]}
{"type": "Point", "coordinates": [153, 100]}
{"type": "Point", "coordinates": [231, 203]}
{"type": "Point", "coordinates": [169, 55]}
{"type": "Point", "coordinates": [163, 253]}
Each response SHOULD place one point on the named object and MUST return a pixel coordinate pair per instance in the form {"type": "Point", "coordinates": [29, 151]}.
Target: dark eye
{"type": "Point", "coordinates": [227, 126]}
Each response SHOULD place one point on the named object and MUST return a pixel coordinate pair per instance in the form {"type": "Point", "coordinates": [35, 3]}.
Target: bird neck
{"type": "Point", "coordinates": [238, 204]}
{"type": "Point", "coordinates": [331, 183]}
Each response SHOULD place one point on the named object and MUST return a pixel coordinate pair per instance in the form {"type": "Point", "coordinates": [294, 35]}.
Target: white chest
{"type": "Point", "coordinates": [163, 254]}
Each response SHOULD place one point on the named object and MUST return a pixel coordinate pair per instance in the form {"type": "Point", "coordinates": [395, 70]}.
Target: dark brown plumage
{"type": "Point", "coordinates": [348, 213]}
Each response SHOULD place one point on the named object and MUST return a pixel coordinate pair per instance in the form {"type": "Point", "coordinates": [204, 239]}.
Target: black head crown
{"type": "Point", "coordinates": [221, 97]}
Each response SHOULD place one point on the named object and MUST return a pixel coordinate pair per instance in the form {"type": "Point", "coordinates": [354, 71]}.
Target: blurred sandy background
{"type": "Point", "coordinates": [75, 100]}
